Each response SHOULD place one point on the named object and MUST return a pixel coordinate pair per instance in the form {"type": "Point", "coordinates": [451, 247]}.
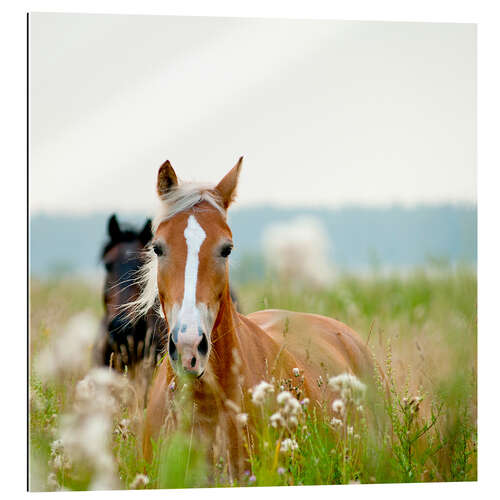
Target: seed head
{"type": "Point", "coordinates": [260, 391]}
{"type": "Point", "coordinates": [350, 388]}
{"type": "Point", "coordinates": [288, 445]}
{"type": "Point", "coordinates": [338, 406]}
{"type": "Point", "coordinates": [336, 422]}
{"type": "Point", "coordinates": [242, 418]}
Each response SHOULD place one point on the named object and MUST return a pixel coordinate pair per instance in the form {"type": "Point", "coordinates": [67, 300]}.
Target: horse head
{"type": "Point", "coordinates": [189, 258]}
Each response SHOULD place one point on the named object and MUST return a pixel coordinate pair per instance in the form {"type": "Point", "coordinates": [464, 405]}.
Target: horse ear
{"type": "Point", "coordinates": [146, 234]}
{"type": "Point", "coordinates": [166, 179]}
{"type": "Point", "coordinates": [227, 186]}
{"type": "Point", "coordinates": [114, 230]}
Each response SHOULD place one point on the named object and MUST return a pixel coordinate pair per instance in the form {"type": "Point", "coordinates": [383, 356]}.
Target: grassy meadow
{"type": "Point", "coordinates": [85, 429]}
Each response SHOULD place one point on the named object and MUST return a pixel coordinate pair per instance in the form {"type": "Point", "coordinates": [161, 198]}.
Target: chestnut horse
{"type": "Point", "coordinates": [121, 342]}
{"type": "Point", "coordinates": [225, 353]}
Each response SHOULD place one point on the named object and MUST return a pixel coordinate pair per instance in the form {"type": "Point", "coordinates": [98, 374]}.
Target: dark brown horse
{"type": "Point", "coordinates": [123, 342]}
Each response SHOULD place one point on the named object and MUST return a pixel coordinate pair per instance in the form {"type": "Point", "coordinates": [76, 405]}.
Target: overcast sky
{"type": "Point", "coordinates": [326, 113]}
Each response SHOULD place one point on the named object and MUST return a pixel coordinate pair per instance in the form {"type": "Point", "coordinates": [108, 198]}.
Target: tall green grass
{"type": "Point", "coordinates": [421, 328]}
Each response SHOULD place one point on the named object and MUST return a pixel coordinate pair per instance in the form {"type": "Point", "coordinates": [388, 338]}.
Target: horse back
{"type": "Point", "coordinates": [321, 344]}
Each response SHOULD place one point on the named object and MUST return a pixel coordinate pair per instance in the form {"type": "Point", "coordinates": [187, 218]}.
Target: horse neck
{"type": "Point", "coordinates": [225, 343]}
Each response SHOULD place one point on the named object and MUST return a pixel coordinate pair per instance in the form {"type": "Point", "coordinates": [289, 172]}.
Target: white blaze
{"type": "Point", "coordinates": [195, 235]}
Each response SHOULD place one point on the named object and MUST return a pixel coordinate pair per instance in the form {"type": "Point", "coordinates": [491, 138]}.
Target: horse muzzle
{"type": "Point", "coordinates": [188, 349]}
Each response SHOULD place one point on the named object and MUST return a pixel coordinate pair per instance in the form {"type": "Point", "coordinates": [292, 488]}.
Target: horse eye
{"type": "Point", "coordinates": [158, 249]}
{"type": "Point", "coordinates": [226, 250]}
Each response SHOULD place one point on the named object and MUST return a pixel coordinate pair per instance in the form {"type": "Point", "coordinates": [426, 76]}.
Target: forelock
{"type": "Point", "coordinates": [185, 197]}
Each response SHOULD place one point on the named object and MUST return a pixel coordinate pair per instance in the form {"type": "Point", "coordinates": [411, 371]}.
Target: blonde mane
{"type": "Point", "coordinates": [178, 199]}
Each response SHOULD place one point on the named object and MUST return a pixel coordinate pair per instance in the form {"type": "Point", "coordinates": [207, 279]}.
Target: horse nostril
{"type": "Point", "coordinates": [172, 350]}
{"type": "Point", "coordinates": [203, 346]}
{"type": "Point", "coordinates": [193, 362]}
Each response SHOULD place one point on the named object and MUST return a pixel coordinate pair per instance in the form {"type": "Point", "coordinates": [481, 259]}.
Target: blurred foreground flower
{"type": "Point", "coordinates": [413, 404]}
{"type": "Point", "coordinates": [102, 390]}
{"type": "Point", "coordinates": [242, 418]}
{"type": "Point", "coordinates": [286, 416]}
{"type": "Point", "coordinates": [350, 388]}
{"type": "Point", "coordinates": [85, 434]}
{"type": "Point", "coordinates": [140, 481]}
{"type": "Point", "coordinates": [336, 422]}
{"type": "Point", "coordinates": [288, 445]}
{"type": "Point", "coordinates": [338, 406]}
{"type": "Point", "coordinates": [260, 391]}
{"type": "Point", "coordinates": [70, 350]}
{"type": "Point", "coordinates": [58, 460]}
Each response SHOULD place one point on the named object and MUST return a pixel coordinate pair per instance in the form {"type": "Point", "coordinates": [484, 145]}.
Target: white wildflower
{"type": "Point", "coordinates": [287, 414]}
{"type": "Point", "coordinates": [338, 406]}
{"type": "Point", "coordinates": [289, 403]}
{"type": "Point", "coordinates": [350, 430]}
{"type": "Point", "coordinates": [296, 372]}
{"type": "Point", "coordinates": [293, 406]}
{"type": "Point", "coordinates": [102, 390]}
{"type": "Point", "coordinates": [288, 445]}
{"type": "Point", "coordinates": [336, 422]}
{"type": "Point", "coordinates": [58, 459]}
{"type": "Point", "coordinates": [242, 418]}
{"type": "Point", "coordinates": [277, 420]}
{"type": "Point", "coordinates": [260, 391]}
{"type": "Point", "coordinates": [350, 388]}
{"type": "Point", "coordinates": [52, 482]}
{"type": "Point", "coordinates": [60, 462]}
{"type": "Point", "coordinates": [305, 402]}
{"type": "Point", "coordinates": [69, 351]}
{"type": "Point", "coordinates": [283, 397]}
{"type": "Point", "coordinates": [140, 481]}
{"type": "Point", "coordinates": [122, 428]}
{"type": "Point", "coordinates": [56, 447]}
{"type": "Point", "coordinates": [87, 439]}
{"type": "Point", "coordinates": [85, 435]}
